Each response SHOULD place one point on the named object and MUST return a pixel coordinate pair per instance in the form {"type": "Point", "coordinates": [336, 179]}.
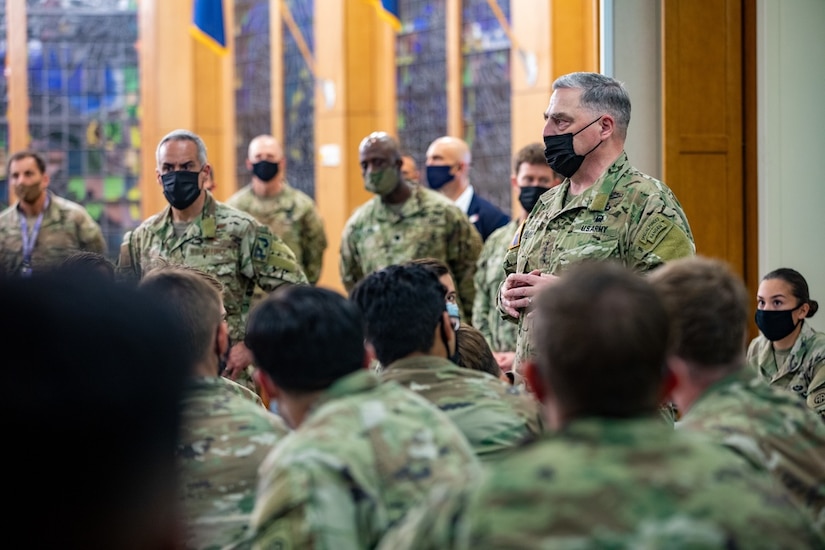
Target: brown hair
{"type": "Point", "coordinates": [530, 154]}
{"type": "Point", "coordinates": [474, 352]}
{"type": "Point", "coordinates": [20, 155]}
{"type": "Point", "coordinates": [708, 309]}
{"type": "Point", "coordinates": [601, 337]}
{"type": "Point", "coordinates": [799, 287]}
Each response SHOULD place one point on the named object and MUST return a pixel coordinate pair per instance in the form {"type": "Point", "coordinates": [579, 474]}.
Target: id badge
{"type": "Point", "coordinates": [26, 270]}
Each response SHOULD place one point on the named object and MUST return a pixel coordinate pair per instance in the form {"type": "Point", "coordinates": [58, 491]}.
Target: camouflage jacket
{"type": "Point", "coordinates": [803, 371]}
{"type": "Point", "coordinates": [66, 228]}
{"type": "Point", "coordinates": [493, 416]}
{"type": "Point", "coordinates": [427, 226]}
{"type": "Point", "coordinates": [291, 214]}
{"type": "Point", "coordinates": [604, 484]}
{"type": "Point", "coordinates": [625, 215]}
{"type": "Point", "coordinates": [770, 427]}
{"type": "Point", "coordinates": [500, 333]}
{"type": "Point", "coordinates": [223, 241]}
{"type": "Point", "coordinates": [226, 434]}
{"type": "Point", "coordinates": [365, 454]}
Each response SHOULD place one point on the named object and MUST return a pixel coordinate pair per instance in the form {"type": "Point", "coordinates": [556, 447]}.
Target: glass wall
{"type": "Point", "coordinates": [299, 101]}
{"type": "Point", "coordinates": [253, 95]}
{"type": "Point", "coordinates": [486, 99]}
{"type": "Point", "coordinates": [84, 96]}
{"type": "Point", "coordinates": [421, 75]}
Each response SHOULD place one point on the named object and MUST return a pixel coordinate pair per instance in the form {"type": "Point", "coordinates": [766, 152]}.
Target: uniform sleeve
{"type": "Point", "coordinates": [279, 519]}
{"type": "Point", "coordinates": [816, 389]}
{"type": "Point", "coordinates": [463, 249]}
{"type": "Point", "coordinates": [314, 243]}
{"type": "Point", "coordinates": [432, 525]}
{"type": "Point", "coordinates": [349, 264]}
{"type": "Point", "coordinates": [90, 235]}
{"type": "Point", "coordinates": [307, 505]}
{"type": "Point", "coordinates": [482, 303]}
{"type": "Point", "coordinates": [273, 263]}
{"type": "Point", "coordinates": [661, 234]}
{"type": "Point", "coordinates": [127, 268]}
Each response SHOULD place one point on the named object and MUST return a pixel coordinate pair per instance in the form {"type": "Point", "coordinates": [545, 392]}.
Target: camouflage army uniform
{"type": "Point", "coordinates": [625, 216]}
{"type": "Point", "coordinates": [492, 415]}
{"type": "Point", "coordinates": [499, 333]}
{"type": "Point", "coordinates": [366, 454]}
{"type": "Point", "coordinates": [613, 484]}
{"type": "Point", "coordinates": [291, 214]}
{"type": "Point", "coordinates": [772, 428]}
{"type": "Point", "coordinates": [226, 434]}
{"type": "Point", "coordinates": [66, 228]}
{"type": "Point", "coordinates": [428, 225]}
{"type": "Point", "coordinates": [803, 371]}
{"type": "Point", "coordinates": [224, 242]}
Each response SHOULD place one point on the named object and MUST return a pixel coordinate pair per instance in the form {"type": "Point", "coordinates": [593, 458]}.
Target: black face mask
{"type": "Point", "coordinates": [181, 188]}
{"type": "Point", "coordinates": [529, 196]}
{"type": "Point", "coordinates": [560, 154]}
{"type": "Point", "coordinates": [265, 170]}
{"type": "Point", "coordinates": [775, 325]}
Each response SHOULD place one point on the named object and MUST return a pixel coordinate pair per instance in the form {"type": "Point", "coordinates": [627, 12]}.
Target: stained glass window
{"type": "Point", "coordinates": [4, 106]}
{"type": "Point", "coordinates": [84, 96]}
{"type": "Point", "coordinates": [253, 97]}
{"type": "Point", "coordinates": [421, 75]}
{"type": "Point", "coordinates": [299, 101]}
{"type": "Point", "coordinates": [486, 99]}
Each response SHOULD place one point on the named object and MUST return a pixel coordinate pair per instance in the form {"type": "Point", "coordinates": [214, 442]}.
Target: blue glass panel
{"type": "Point", "coordinates": [83, 94]}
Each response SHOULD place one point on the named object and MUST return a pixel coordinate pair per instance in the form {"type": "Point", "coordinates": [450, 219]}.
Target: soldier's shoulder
{"type": "Point", "coordinates": [70, 206]}
{"type": "Point", "coordinates": [363, 212]}
{"type": "Point", "coordinates": [228, 213]}
{"type": "Point", "coordinates": [239, 195]}
{"type": "Point", "coordinates": [8, 213]}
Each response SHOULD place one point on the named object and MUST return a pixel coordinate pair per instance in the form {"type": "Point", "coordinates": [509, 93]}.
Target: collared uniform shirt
{"type": "Point", "coordinates": [224, 242]}
{"type": "Point", "coordinates": [428, 225]}
{"type": "Point", "coordinates": [803, 372]}
{"type": "Point", "coordinates": [499, 333]}
{"type": "Point", "coordinates": [291, 215]}
{"type": "Point", "coordinates": [625, 216]}
{"type": "Point", "coordinates": [66, 228]}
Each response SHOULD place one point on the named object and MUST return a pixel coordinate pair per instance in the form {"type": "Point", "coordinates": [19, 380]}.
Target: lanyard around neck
{"type": "Point", "coordinates": [30, 240]}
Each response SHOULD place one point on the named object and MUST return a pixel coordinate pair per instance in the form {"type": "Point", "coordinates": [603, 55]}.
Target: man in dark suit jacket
{"type": "Point", "coordinates": [448, 172]}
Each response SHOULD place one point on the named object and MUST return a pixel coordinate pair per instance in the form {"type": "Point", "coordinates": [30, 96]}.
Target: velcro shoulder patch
{"type": "Point", "coordinates": [516, 242]}
{"type": "Point", "coordinates": [654, 231]}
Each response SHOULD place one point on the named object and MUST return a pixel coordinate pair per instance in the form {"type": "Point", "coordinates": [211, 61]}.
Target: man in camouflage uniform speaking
{"type": "Point", "coordinates": [604, 209]}
{"type": "Point", "coordinates": [198, 231]}
{"type": "Point", "coordinates": [404, 222]}
{"type": "Point", "coordinates": [41, 229]}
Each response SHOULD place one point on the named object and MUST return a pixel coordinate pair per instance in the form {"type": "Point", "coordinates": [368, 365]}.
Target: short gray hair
{"type": "Point", "coordinates": [183, 135]}
{"type": "Point", "coordinates": [600, 93]}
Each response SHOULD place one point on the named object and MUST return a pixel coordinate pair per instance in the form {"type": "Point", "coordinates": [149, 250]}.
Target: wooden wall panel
{"type": "Point", "coordinates": [703, 124]}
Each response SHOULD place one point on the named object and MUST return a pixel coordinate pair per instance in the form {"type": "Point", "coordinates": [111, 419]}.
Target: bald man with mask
{"type": "Point", "coordinates": [448, 172]}
{"type": "Point", "coordinates": [288, 212]}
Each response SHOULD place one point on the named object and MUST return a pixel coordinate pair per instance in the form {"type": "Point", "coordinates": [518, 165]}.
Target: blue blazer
{"type": "Point", "coordinates": [486, 216]}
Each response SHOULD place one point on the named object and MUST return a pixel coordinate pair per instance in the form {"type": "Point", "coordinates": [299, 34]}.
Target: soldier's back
{"type": "Point", "coordinates": [226, 434]}
{"type": "Point", "coordinates": [770, 427]}
{"type": "Point", "coordinates": [618, 484]}
{"type": "Point", "coordinates": [494, 417]}
{"type": "Point", "coordinates": [367, 453]}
